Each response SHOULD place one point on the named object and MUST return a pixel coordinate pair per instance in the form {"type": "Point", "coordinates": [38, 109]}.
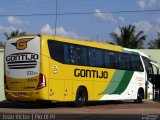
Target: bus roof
{"type": "Point", "coordinates": [91, 43]}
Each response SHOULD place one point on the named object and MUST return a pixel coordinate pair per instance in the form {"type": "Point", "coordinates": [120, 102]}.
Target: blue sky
{"type": "Point", "coordinates": [81, 26]}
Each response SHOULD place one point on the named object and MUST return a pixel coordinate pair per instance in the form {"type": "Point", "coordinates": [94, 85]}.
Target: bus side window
{"type": "Point", "coordinates": [84, 55]}
{"type": "Point", "coordinates": [66, 56]}
{"type": "Point", "coordinates": [54, 48]}
{"type": "Point", "coordinates": [106, 59]}
{"type": "Point", "coordinates": [92, 60]}
{"type": "Point", "coordinates": [136, 63]}
{"type": "Point", "coordinates": [113, 60]}
{"type": "Point", "coordinates": [71, 54]}
{"type": "Point", "coordinates": [124, 61]}
{"type": "Point", "coordinates": [77, 53]}
{"type": "Point", "coordinates": [99, 58]}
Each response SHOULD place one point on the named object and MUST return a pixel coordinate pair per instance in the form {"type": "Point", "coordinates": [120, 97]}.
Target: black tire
{"type": "Point", "coordinates": [140, 96]}
{"type": "Point", "coordinates": [81, 97]}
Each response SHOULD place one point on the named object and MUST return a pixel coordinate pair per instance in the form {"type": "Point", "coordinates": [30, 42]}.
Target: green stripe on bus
{"type": "Point", "coordinates": [115, 81]}
{"type": "Point", "coordinates": [124, 82]}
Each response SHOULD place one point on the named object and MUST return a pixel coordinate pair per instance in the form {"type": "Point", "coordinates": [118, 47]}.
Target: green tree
{"type": "Point", "coordinates": [155, 44]}
{"type": "Point", "coordinates": [14, 34]}
{"type": "Point", "coordinates": [128, 37]}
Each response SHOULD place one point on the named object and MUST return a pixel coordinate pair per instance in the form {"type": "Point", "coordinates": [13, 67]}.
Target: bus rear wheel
{"type": "Point", "coordinates": [81, 97]}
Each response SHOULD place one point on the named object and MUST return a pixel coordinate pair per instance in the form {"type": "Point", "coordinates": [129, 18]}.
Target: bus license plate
{"type": "Point", "coordinates": [21, 94]}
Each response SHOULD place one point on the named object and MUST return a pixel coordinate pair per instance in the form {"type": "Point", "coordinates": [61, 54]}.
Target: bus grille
{"type": "Point", "coordinates": [22, 64]}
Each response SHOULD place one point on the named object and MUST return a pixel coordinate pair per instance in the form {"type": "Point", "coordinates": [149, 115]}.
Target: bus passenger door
{"type": "Point", "coordinates": [149, 82]}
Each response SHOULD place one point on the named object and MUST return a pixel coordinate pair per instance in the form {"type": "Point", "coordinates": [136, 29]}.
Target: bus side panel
{"type": "Point", "coordinates": [131, 90]}
{"type": "Point", "coordinates": [56, 83]}
{"type": "Point", "coordinates": [68, 91]}
{"type": "Point", "coordinates": [137, 81]}
{"type": "Point", "coordinates": [100, 85]}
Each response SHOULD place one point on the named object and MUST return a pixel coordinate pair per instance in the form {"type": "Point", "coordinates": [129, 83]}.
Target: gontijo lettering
{"type": "Point", "coordinates": [22, 57]}
{"type": "Point", "coordinates": [22, 60]}
{"type": "Point", "coordinates": [90, 73]}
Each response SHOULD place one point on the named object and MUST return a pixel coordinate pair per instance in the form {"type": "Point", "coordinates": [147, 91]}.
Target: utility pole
{"type": "Point", "coordinates": [97, 37]}
{"type": "Point", "coordinates": [56, 17]}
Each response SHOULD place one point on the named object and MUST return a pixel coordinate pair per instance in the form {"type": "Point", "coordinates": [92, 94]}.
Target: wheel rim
{"type": "Point", "coordinates": [81, 98]}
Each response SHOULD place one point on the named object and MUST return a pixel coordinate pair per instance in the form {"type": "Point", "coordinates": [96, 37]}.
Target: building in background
{"type": "Point", "coordinates": [2, 96]}
{"type": "Point", "coordinates": [154, 54]}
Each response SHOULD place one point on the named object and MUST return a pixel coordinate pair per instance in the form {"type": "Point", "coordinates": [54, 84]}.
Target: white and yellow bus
{"type": "Point", "coordinates": [52, 68]}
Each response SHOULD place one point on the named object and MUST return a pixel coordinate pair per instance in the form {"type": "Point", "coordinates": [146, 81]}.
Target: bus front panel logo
{"type": "Point", "coordinates": [21, 44]}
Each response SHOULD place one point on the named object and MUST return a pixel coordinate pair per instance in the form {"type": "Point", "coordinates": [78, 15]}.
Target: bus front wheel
{"type": "Point", "coordinates": [140, 96]}
{"type": "Point", "coordinates": [81, 97]}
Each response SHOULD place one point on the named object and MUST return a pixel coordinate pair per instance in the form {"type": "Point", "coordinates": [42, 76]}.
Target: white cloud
{"type": "Point", "coordinates": [104, 16]}
{"type": "Point", "coordinates": [14, 20]}
{"type": "Point", "coordinates": [140, 26]}
{"type": "Point", "coordinates": [158, 20]}
{"type": "Point", "coordinates": [143, 4]}
{"type": "Point", "coordinates": [117, 31]}
{"type": "Point", "coordinates": [62, 32]}
{"type": "Point", "coordinates": [144, 26]}
{"type": "Point", "coordinates": [107, 17]}
{"type": "Point", "coordinates": [156, 24]}
{"type": "Point", "coordinates": [12, 28]}
{"type": "Point", "coordinates": [121, 19]}
{"type": "Point", "coordinates": [150, 28]}
{"type": "Point", "coordinates": [152, 3]}
{"type": "Point", "coordinates": [17, 21]}
{"type": "Point", "coordinates": [8, 29]}
{"type": "Point", "coordinates": [1, 29]}
{"type": "Point", "coordinates": [47, 29]}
